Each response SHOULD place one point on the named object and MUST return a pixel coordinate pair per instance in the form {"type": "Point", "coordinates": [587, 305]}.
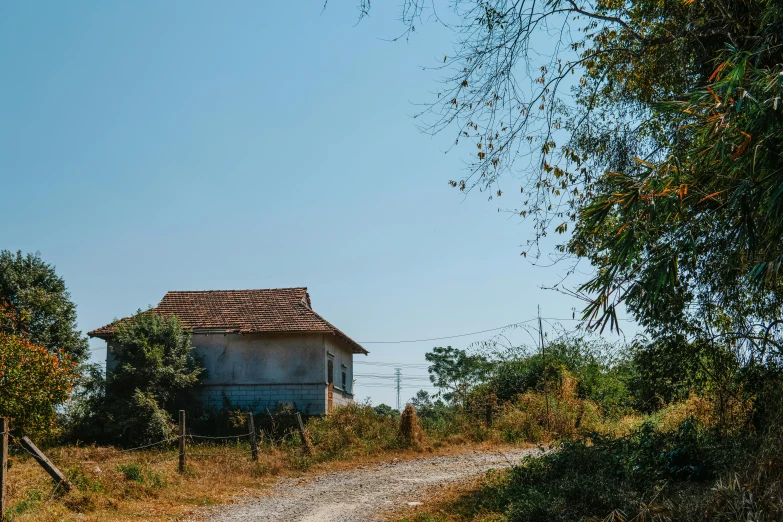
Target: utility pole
{"type": "Point", "coordinates": [543, 356]}
{"type": "Point", "coordinates": [398, 375]}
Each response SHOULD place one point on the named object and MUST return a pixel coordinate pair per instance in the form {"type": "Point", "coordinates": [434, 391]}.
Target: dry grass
{"type": "Point", "coordinates": [142, 485]}
{"type": "Point", "coordinates": [409, 427]}
{"type": "Point", "coordinates": [464, 502]}
{"type": "Point", "coordinates": [145, 485]}
{"type": "Point", "coordinates": [539, 417]}
{"type": "Point", "coordinates": [730, 413]}
{"type": "Point", "coordinates": [110, 484]}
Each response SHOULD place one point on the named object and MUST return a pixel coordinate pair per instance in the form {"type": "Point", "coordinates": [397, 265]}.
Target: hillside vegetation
{"type": "Point", "coordinates": [639, 438]}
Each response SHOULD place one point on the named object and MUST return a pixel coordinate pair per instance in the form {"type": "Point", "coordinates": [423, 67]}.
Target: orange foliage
{"type": "Point", "coordinates": [33, 381]}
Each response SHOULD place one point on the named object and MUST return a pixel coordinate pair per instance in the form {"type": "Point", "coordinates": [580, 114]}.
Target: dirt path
{"type": "Point", "coordinates": [362, 494]}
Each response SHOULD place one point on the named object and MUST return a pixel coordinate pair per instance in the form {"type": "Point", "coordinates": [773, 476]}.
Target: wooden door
{"type": "Point", "coordinates": [330, 402]}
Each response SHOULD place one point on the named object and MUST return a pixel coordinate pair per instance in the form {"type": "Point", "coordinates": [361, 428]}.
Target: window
{"type": "Point", "coordinates": [345, 379]}
{"type": "Point", "coordinates": [330, 372]}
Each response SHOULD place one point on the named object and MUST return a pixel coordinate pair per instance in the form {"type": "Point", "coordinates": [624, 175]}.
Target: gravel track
{"type": "Point", "coordinates": [364, 494]}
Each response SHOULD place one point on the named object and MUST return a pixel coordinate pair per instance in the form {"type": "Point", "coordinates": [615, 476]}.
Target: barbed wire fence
{"type": "Point", "coordinates": [187, 447]}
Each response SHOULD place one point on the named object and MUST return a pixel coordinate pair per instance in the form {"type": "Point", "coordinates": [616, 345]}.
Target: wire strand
{"type": "Point", "coordinates": [222, 437]}
{"type": "Point", "coordinates": [147, 445]}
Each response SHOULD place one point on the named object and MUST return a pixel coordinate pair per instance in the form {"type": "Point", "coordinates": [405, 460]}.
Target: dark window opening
{"type": "Point", "coordinates": [330, 371]}
{"type": "Point", "coordinates": [345, 379]}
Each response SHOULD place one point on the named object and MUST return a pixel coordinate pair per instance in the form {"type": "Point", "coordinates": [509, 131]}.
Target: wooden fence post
{"type": "Point", "coordinates": [489, 415]}
{"type": "Point", "coordinates": [305, 441]}
{"type": "Point", "coordinates": [3, 465]}
{"type": "Point", "coordinates": [182, 441]}
{"type": "Point", "coordinates": [251, 427]}
{"type": "Point", "coordinates": [45, 463]}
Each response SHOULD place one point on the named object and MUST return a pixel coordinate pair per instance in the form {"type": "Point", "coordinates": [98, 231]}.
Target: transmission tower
{"type": "Point", "coordinates": [398, 375]}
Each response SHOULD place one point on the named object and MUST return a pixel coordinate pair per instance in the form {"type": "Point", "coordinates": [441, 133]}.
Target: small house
{"type": "Point", "coordinates": [261, 348]}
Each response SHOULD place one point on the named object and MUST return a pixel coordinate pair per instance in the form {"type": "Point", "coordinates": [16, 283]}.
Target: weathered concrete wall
{"type": "Point", "coordinates": [260, 371]}
{"type": "Point", "coordinates": [263, 370]}
{"type": "Point", "coordinates": [307, 398]}
{"type": "Point", "coordinates": [232, 359]}
{"type": "Point", "coordinates": [343, 360]}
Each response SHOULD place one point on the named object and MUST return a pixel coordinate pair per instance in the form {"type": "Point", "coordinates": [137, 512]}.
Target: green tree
{"type": "Point", "coordinates": [384, 410]}
{"type": "Point", "coordinates": [154, 366]}
{"type": "Point", "coordinates": [455, 371]}
{"type": "Point", "coordinates": [650, 130]}
{"type": "Point", "coordinates": [693, 240]}
{"type": "Point", "coordinates": [33, 381]}
{"type": "Point", "coordinates": [34, 289]}
{"type": "Point", "coordinates": [153, 355]}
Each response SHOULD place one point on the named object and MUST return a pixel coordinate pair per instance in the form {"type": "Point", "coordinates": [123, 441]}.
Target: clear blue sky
{"type": "Point", "coordinates": [153, 146]}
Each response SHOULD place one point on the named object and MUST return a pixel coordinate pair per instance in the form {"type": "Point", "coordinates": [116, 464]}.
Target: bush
{"type": "Point", "coordinates": [137, 473]}
{"type": "Point", "coordinates": [355, 429]}
{"type": "Point", "coordinates": [134, 404]}
{"type": "Point", "coordinates": [575, 366]}
{"type": "Point", "coordinates": [646, 469]}
{"type": "Point", "coordinates": [139, 420]}
{"type": "Point", "coordinates": [384, 410]}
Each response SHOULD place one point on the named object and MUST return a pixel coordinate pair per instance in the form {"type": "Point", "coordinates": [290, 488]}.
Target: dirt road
{"type": "Point", "coordinates": [363, 494]}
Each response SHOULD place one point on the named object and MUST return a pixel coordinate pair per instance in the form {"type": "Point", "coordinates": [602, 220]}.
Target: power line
{"type": "Point", "coordinates": [394, 386]}
{"type": "Point", "coordinates": [442, 338]}
{"type": "Point", "coordinates": [479, 332]}
{"type": "Point", "coordinates": [388, 376]}
{"type": "Point", "coordinates": [394, 365]}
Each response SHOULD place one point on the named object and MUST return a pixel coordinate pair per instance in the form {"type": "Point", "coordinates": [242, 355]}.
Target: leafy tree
{"type": "Point", "coordinates": [431, 409]}
{"type": "Point", "coordinates": [693, 240]}
{"type": "Point", "coordinates": [33, 381]}
{"type": "Point", "coordinates": [34, 289]}
{"type": "Point", "coordinates": [384, 410]}
{"type": "Point", "coordinates": [591, 362]}
{"type": "Point", "coordinates": [649, 129]}
{"type": "Point", "coordinates": [134, 404]}
{"type": "Point", "coordinates": [455, 371]}
{"type": "Point", "coordinates": [421, 400]}
{"type": "Point", "coordinates": [153, 355]}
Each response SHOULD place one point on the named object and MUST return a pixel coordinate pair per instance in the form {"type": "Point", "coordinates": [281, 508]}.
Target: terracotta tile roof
{"type": "Point", "coordinates": [243, 311]}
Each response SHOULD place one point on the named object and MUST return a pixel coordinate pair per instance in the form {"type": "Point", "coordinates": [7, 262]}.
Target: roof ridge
{"type": "Point", "coordinates": [237, 290]}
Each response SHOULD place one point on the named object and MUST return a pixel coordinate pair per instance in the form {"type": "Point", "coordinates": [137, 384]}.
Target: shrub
{"type": "Point", "coordinates": [384, 410]}
{"type": "Point", "coordinates": [137, 473]}
{"type": "Point", "coordinates": [355, 429]}
{"type": "Point", "coordinates": [134, 404]}
{"type": "Point", "coordinates": [140, 421]}
{"type": "Point", "coordinates": [538, 417]}
{"type": "Point", "coordinates": [647, 469]}
{"type": "Point", "coordinates": [571, 366]}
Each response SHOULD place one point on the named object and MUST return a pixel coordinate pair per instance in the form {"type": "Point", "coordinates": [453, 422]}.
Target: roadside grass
{"type": "Point", "coordinates": [145, 485]}
{"type": "Point", "coordinates": [471, 501]}
{"type": "Point", "coordinates": [674, 465]}
{"type": "Point", "coordinates": [111, 484]}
